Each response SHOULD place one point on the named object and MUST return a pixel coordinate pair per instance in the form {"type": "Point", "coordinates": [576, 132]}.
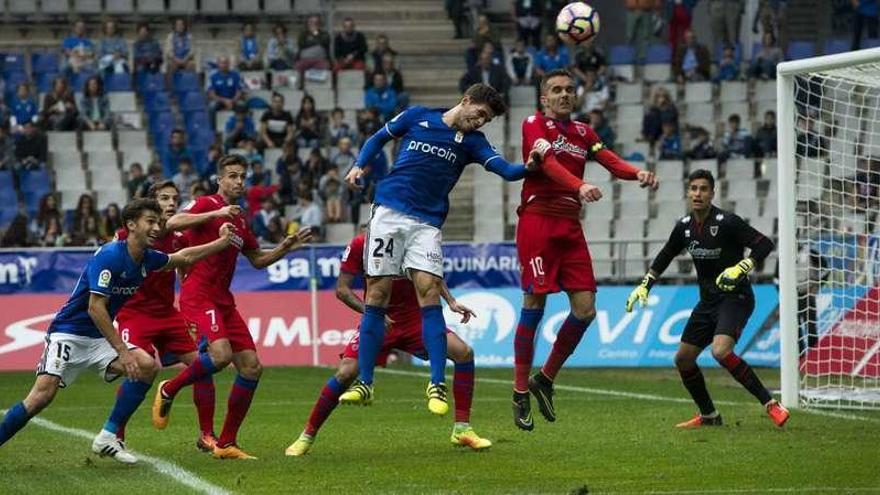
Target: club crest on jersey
{"type": "Point", "coordinates": [550, 124]}
{"type": "Point", "coordinates": [581, 130]}
{"type": "Point", "coordinates": [713, 230]}
{"type": "Point", "coordinates": [104, 278]}
{"type": "Point", "coordinates": [459, 137]}
{"type": "Point", "coordinates": [143, 271]}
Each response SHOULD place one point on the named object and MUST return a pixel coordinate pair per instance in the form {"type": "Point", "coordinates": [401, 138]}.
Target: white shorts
{"type": "Point", "coordinates": [398, 242]}
{"type": "Point", "coordinates": [67, 355]}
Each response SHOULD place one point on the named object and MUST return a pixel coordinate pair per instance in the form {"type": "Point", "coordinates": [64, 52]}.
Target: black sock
{"type": "Point", "coordinates": [744, 374]}
{"type": "Point", "coordinates": [695, 384]}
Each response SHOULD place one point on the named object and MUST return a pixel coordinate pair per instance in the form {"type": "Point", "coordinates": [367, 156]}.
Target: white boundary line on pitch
{"type": "Point", "coordinates": [635, 395]}
{"type": "Point", "coordinates": [161, 466]}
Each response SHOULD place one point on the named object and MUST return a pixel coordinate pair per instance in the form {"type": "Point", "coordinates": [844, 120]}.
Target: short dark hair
{"type": "Point", "coordinates": [177, 131]}
{"type": "Point", "coordinates": [158, 186]}
{"type": "Point", "coordinates": [702, 173]}
{"type": "Point", "coordinates": [228, 160]}
{"type": "Point", "coordinates": [734, 116]}
{"type": "Point", "coordinates": [277, 94]}
{"type": "Point", "coordinates": [554, 73]}
{"type": "Point", "coordinates": [485, 94]}
{"type": "Point", "coordinates": [137, 207]}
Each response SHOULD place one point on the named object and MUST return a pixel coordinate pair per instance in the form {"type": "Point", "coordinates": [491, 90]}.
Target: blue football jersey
{"type": "Point", "coordinates": [431, 159]}
{"type": "Point", "coordinates": [111, 272]}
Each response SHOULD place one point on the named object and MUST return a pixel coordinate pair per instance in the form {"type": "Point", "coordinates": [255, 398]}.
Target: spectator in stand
{"type": "Point", "coordinates": [179, 54]}
{"type": "Point", "coordinates": [764, 62]}
{"type": "Point", "coordinates": [276, 125]}
{"type": "Point", "coordinates": [147, 51]}
{"type": "Point", "coordinates": [95, 115]}
{"type": "Point", "coordinates": [289, 170]}
{"type": "Point", "coordinates": [662, 110]}
{"type": "Point", "coordinates": [330, 188]}
{"type": "Point", "coordinates": [31, 148]}
{"type": "Point", "coordinates": [868, 186]}
{"type": "Point", "coordinates": [136, 178]}
{"type": "Point", "coordinates": [368, 123]}
{"type": "Point", "coordinates": [315, 167]}
{"type": "Point", "coordinates": [344, 157]}
{"type": "Point", "coordinates": [198, 190]}
{"type": "Point", "coordinates": [551, 57]}
{"type": "Point", "coordinates": [225, 87]}
{"type": "Point", "coordinates": [175, 152]}
{"type": "Point", "coordinates": [114, 50]}
{"type": "Point", "coordinates": [728, 67]}
{"type": "Point", "coordinates": [527, 14]}
{"type": "Point", "coordinates": [239, 126]}
{"type": "Point", "coordinates": [257, 175]}
{"type": "Point", "coordinates": [311, 215]}
{"type": "Point", "coordinates": [381, 97]}
{"type": "Point", "coordinates": [865, 16]}
{"type": "Point", "coordinates": [520, 65]}
{"type": "Point", "coordinates": [59, 107]}
{"type": "Point", "coordinates": [457, 13]}
{"type": "Point", "coordinates": [314, 46]}
{"type": "Point", "coordinates": [184, 179]}
{"type": "Point", "coordinates": [594, 93]}
{"type": "Point", "coordinates": [78, 51]}
{"type": "Point", "coordinates": [724, 18]}
{"type": "Point", "coordinates": [338, 128]}
{"type": "Point", "coordinates": [679, 14]}
{"type": "Point", "coordinates": [350, 47]}
{"type": "Point", "coordinates": [701, 145]}
{"type": "Point", "coordinates": [691, 60]}
{"type": "Point", "coordinates": [281, 49]}
{"type": "Point", "coordinates": [394, 79]}
{"type": "Point", "coordinates": [308, 124]}
{"type": "Point", "coordinates": [736, 142]}
{"type": "Point", "coordinates": [17, 234]}
{"type": "Point", "coordinates": [52, 235]}
{"type": "Point", "coordinates": [641, 24]}
{"type": "Point", "coordinates": [154, 176]}
{"type": "Point", "coordinates": [47, 210]}
{"type": "Point", "coordinates": [85, 219]}
{"type": "Point", "coordinates": [249, 53]}
{"type": "Point", "coordinates": [670, 142]}
{"type": "Point", "coordinates": [765, 138]}
{"type": "Point", "coordinates": [809, 142]}
{"type": "Point", "coordinates": [23, 109]}
{"type": "Point", "coordinates": [588, 59]}
{"type": "Point", "coordinates": [215, 152]}
{"type": "Point", "coordinates": [484, 72]}
{"type": "Point", "coordinates": [773, 17]}
{"type": "Point", "coordinates": [601, 127]}
{"type": "Point", "coordinates": [486, 33]}
{"type": "Point", "coordinates": [111, 222]}
{"type": "Point", "coordinates": [380, 50]}
{"type": "Point", "coordinates": [263, 218]}
{"type": "Point", "coordinates": [8, 161]}
{"type": "Point", "coordinates": [247, 147]}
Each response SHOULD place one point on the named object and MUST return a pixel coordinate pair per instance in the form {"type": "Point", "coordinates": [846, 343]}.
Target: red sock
{"type": "Point", "coordinates": [201, 366]}
{"type": "Point", "coordinates": [524, 347]}
{"type": "Point", "coordinates": [463, 390]}
{"type": "Point", "coordinates": [325, 405]}
{"type": "Point", "coordinates": [567, 339]}
{"type": "Point", "coordinates": [239, 402]}
{"type": "Point", "coordinates": [203, 398]}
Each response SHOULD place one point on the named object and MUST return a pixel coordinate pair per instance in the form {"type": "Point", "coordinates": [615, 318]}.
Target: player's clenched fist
{"type": "Point", "coordinates": [229, 211]}
{"type": "Point", "coordinates": [647, 179]}
{"type": "Point", "coordinates": [589, 193]}
{"type": "Point", "coordinates": [731, 276]}
{"type": "Point", "coordinates": [539, 149]}
{"type": "Point", "coordinates": [353, 176]}
{"type": "Point", "coordinates": [226, 231]}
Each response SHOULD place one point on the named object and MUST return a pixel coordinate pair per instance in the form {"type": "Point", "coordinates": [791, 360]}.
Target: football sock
{"type": "Point", "coordinates": [463, 390]}
{"type": "Point", "coordinates": [325, 405]}
{"type": "Point", "coordinates": [239, 402]}
{"type": "Point", "coordinates": [203, 366]}
{"type": "Point", "coordinates": [692, 379]}
{"type": "Point", "coordinates": [120, 428]}
{"type": "Point", "coordinates": [372, 333]}
{"type": "Point", "coordinates": [434, 337]}
{"type": "Point", "coordinates": [204, 400]}
{"type": "Point", "coordinates": [524, 347]}
{"type": "Point", "coordinates": [567, 339]}
{"type": "Point", "coordinates": [745, 375]}
{"type": "Point", "coordinates": [131, 394]}
{"type": "Point", "coordinates": [15, 419]}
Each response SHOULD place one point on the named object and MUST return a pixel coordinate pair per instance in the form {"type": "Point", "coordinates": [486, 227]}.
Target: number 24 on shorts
{"type": "Point", "coordinates": [383, 248]}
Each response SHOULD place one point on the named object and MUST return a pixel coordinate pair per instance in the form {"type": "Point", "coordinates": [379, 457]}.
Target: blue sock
{"type": "Point", "coordinates": [127, 402]}
{"type": "Point", "coordinates": [335, 386]}
{"type": "Point", "coordinates": [15, 419]}
{"type": "Point", "coordinates": [372, 333]}
{"type": "Point", "coordinates": [434, 337]}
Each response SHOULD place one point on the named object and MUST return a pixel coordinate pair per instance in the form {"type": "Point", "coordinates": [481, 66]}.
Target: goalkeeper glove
{"type": "Point", "coordinates": [640, 293]}
{"type": "Point", "coordinates": [730, 277]}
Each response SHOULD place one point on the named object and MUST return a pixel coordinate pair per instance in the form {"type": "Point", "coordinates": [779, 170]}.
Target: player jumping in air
{"type": "Point", "coordinates": [150, 321]}
{"type": "Point", "coordinates": [82, 335]}
{"type": "Point", "coordinates": [550, 240]}
{"type": "Point", "coordinates": [207, 303]}
{"type": "Point", "coordinates": [404, 323]}
{"type": "Point", "coordinates": [715, 239]}
{"type": "Point", "coordinates": [410, 206]}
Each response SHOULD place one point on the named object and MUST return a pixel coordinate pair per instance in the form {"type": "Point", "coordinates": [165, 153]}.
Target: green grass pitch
{"type": "Point", "coordinates": [603, 442]}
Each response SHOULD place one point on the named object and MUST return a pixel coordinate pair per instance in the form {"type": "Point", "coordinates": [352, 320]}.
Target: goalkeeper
{"type": "Point", "coordinates": [716, 240]}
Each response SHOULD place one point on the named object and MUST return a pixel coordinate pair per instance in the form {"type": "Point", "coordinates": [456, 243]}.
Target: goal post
{"type": "Point", "coordinates": [828, 130]}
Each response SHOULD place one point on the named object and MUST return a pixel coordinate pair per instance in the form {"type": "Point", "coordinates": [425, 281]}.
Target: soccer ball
{"type": "Point", "coordinates": [577, 23]}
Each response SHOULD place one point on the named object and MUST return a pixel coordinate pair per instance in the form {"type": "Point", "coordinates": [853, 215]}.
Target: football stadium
{"type": "Point", "coordinates": [425, 246]}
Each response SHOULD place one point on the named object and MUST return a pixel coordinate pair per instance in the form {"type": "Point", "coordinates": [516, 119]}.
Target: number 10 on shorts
{"type": "Point", "coordinates": [537, 264]}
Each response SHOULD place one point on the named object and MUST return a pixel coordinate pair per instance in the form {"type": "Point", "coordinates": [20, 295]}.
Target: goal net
{"type": "Point", "coordinates": [829, 193]}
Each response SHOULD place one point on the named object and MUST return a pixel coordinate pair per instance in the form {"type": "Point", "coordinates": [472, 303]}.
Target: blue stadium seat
{"type": "Point", "coordinates": [117, 82]}
{"type": "Point", "coordinates": [157, 102]}
{"type": "Point", "coordinates": [45, 62]}
{"type": "Point", "coordinates": [7, 214]}
{"type": "Point", "coordinates": [149, 83]}
{"type": "Point", "coordinates": [836, 46]}
{"type": "Point", "coordinates": [871, 43]}
{"type": "Point", "coordinates": [34, 185]}
{"type": "Point", "coordinates": [78, 80]}
{"type": "Point", "coordinates": [800, 49]}
{"type": "Point", "coordinates": [193, 101]}
{"type": "Point", "coordinates": [201, 138]}
{"type": "Point", "coordinates": [7, 184]}
{"type": "Point", "coordinates": [13, 79]}
{"type": "Point", "coordinates": [658, 54]}
{"type": "Point", "coordinates": [44, 81]}
{"type": "Point", "coordinates": [737, 52]}
{"type": "Point", "coordinates": [12, 62]}
{"type": "Point", "coordinates": [185, 82]}
{"type": "Point", "coordinates": [622, 55]}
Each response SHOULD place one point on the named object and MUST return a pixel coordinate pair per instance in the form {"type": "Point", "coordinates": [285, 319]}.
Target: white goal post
{"type": "Point", "coordinates": [828, 114]}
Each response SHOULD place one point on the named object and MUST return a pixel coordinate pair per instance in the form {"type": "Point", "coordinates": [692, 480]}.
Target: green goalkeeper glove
{"type": "Point", "coordinates": [730, 277]}
{"type": "Point", "coordinates": [640, 293]}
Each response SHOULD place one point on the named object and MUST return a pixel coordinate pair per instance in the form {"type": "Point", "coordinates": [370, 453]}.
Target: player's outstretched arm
{"type": "Point", "coordinates": [184, 220]}
{"type": "Point", "coordinates": [188, 256]}
{"type": "Point", "coordinates": [455, 306]}
{"type": "Point", "coordinates": [670, 250]}
{"type": "Point", "coordinates": [100, 315]}
{"type": "Point", "coordinates": [372, 147]}
{"type": "Point", "coordinates": [622, 169]}
{"type": "Point", "coordinates": [346, 294]}
{"type": "Point", "coordinates": [508, 171]}
{"type": "Point", "coordinates": [261, 258]}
